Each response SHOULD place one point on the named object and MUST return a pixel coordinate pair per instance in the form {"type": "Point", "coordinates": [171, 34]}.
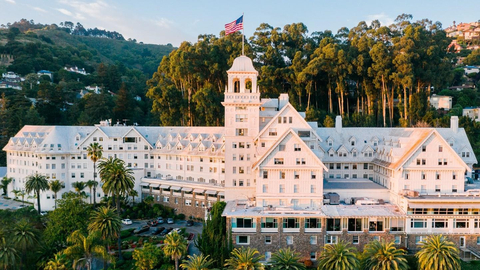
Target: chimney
{"type": "Point", "coordinates": [282, 101]}
{"type": "Point", "coordinates": [454, 124]}
{"type": "Point", "coordinates": [338, 124]}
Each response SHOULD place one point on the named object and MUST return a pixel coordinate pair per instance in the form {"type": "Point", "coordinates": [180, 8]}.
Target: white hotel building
{"type": "Point", "coordinates": [287, 182]}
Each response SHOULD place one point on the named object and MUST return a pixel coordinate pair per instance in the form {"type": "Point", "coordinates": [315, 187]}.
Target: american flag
{"type": "Point", "coordinates": [234, 26]}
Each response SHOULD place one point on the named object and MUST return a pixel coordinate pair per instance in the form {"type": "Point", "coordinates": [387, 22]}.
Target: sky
{"type": "Point", "coordinates": [175, 21]}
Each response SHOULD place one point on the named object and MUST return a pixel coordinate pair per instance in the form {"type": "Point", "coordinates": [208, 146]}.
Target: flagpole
{"type": "Point", "coordinates": [243, 34]}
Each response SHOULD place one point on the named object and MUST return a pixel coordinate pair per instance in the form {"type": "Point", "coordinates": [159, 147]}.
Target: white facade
{"type": "Point", "coordinates": [266, 153]}
{"type": "Point", "coordinates": [472, 112]}
{"type": "Point", "coordinates": [441, 102]}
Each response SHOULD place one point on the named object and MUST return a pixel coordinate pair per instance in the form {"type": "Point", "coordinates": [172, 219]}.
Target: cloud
{"type": "Point", "coordinates": [65, 12]}
{"type": "Point", "coordinates": [10, 1]}
{"type": "Point", "coordinates": [164, 23]}
{"type": "Point", "coordinates": [39, 9]}
{"type": "Point", "coordinates": [383, 18]}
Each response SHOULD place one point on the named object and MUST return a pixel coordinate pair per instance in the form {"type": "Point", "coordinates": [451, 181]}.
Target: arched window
{"type": "Point", "coordinates": [236, 86]}
{"type": "Point", "coordinates": [248, 86]}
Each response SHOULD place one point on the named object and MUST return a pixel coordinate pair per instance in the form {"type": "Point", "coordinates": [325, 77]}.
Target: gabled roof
{"type": "Point", "coordinates": [297, 115]}
{"type": "Point", "coordinates": [90, 135]}
{"type": "Point", "coordinates": [277, 143]}
{"type": "Point", "coordinates": [422, 139]}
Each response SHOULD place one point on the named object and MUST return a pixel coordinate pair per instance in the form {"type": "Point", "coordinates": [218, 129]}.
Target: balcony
{"type": "Point", "coordinates": [251, 229]}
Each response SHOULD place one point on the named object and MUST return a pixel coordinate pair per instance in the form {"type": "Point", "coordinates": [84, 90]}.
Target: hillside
{"type": "Point", "coordinates": [91, 50]}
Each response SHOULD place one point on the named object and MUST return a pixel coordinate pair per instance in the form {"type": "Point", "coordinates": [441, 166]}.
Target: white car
{"type": "Point", "coordinates": [127, 221]}
{"type": "Point", "coordinates": [178, 230]}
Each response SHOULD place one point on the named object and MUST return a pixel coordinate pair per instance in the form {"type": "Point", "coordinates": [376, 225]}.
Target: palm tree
{"type": "Point", "coordinates": [107, 222]}
{"type": "Point", "coordinates": [197, 262]}
{"type": "Point", "coordinates": [16, 192]}
{"type": "Point", "coordinates": [244, 259]}
{"type": "Point", "coordinates": [58, 262]}
{"type": "Point", "coordinates": [36, 183]}
{"type": "Point", "coordinates": [175, 247]}
{"type": "Point", "coordinates": [24, 237]}
{"type": "Point", "coordinates": [8, 255]}
{"type": "Point", "coordinates": [79, 187]}
{"type": "Point", "coordinates": [55, 187]}
{"type": "Point", "coordinates": [134, 194]}
{"type": "Point", "coordinates": [286, 259]}
{"type": "Point", "coordinates": [117, 180]}
{"type": "Point", "coordinates": [22, 194]}
{"type": "Point", "coordinates": [94, 151]}
{"type": "Point", "coordinates": [5, 182]}
{"type": "Point", "coordinates": [384, 255]}
{"type": "Point", "coordinates": [338, 256]}
{"type": "Point", "coordinates": [437, 253]}
{"type": "Point", "coordinates": [91, 184]}
{"type": "Point", "coordinates": [83, 249]}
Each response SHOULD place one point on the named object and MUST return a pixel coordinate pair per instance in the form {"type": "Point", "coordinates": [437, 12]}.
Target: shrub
{"type": "Point", "coordinates": [125, 233]}
{"type": "Point", "coordinates": [181, 216]}
{"type": "Point", "coordinates": [127, 255]}
{"type": "Point", "coordinates": [308, 263]}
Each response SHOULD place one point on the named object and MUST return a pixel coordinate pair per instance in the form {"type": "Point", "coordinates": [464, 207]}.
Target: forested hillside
{"type": "Point", "coordinates": [119, 68]}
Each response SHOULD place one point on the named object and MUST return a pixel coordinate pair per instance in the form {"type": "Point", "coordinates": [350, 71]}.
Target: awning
{"type": "Point", "coordinates": [444, 205]}
{"type": "Point", "coordinates": [164, 186]}
{"type": "Point", "coordinates": [198, 191]}
{"type": "Point", "coordinates": [187, 189]}
{"type": "Point", "coordinates": [175, 188]}
{"type": "Point", "coordinates": [221, 193]}
{"type": "Point", "coordinates": [211, 192]}
{"type": "Point", "coordinates": [154, 185]}
{"type": "Point", "coordinates": [145, 185]}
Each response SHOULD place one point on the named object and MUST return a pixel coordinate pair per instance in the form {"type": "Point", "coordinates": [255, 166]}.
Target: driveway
{"type": "Point", "coordinates": [10, 204]}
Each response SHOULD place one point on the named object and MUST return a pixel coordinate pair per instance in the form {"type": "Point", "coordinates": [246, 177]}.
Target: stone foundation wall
{"type": "Point", "coordinates": [181, 208]}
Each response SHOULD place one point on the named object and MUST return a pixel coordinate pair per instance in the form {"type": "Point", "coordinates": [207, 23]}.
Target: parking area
{"type": "Point", "coordinates": [196, 229]}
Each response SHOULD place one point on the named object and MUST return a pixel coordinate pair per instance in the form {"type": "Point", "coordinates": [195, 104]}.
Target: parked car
{"type": "Point", "coordinates": [158, 230]}
{"type": "Point", "coordinates": [43, 213]}
{"type": "Point", "coordinates": [160, 220]}
{"type": "Point", "coordinates": [152, 223]}
{"type": "Point", "coordinates": [190, 223]}
{"type": "Point", "coordinates": [170, 220]}
{"type": "Point", "coordinates": [178, 230]}
{"type": "Point", "coordinates": [164, 232]}
{"type": "Point", "coordinates": [127, 221]}
{"type": "Point", "coordinates": [141, 229]}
